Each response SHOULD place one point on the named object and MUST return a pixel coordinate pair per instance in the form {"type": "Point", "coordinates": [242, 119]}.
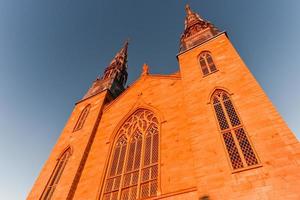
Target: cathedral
{"type": "Point", "coordinates": [206, 132]}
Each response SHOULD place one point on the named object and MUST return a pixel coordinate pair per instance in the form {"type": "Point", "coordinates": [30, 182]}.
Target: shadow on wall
{"type": "Point", "coordinates": [204, 198]}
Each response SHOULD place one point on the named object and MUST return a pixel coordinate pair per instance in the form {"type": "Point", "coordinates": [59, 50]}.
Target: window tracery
{"type": "Point", "coordinates": [207, 64]}
{"type": "Point", "coordinates": [138, 178]}
{"type": "Point", "coordinates": [238, 146]}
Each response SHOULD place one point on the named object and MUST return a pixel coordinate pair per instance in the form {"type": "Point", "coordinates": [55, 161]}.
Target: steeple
{"type": "Point", "coordinates": [196, 30]}
{"type": "Point", "coordinates": [114, 77]}
{"type": "Point", "coordinates": [118, 65]}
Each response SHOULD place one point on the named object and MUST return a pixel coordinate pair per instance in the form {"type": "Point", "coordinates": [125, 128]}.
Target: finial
{"type": "Point", "coordinates": [188, 9]}
{"type": "Point", "coordinates": [194, 25]}
{"type": "Point", "coordinates": [145, 69]}
{"type": "Point", "coordinates": [125, 47]}
{"type": "Point", "coordinates": [126, 42]}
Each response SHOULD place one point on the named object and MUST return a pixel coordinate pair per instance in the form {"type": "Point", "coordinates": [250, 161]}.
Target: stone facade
{"type": "Point", "coordinates": [193, 160]}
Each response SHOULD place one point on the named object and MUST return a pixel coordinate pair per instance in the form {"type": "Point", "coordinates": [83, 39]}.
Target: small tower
{"type": "Point", "coordinates": [230, 115]}
{"type": "Point", "coordinates": [79, 133]}
{"type": "Point", "coordinates": [196, 30]}
{"type": "Point", "coordinates": [114, 77]}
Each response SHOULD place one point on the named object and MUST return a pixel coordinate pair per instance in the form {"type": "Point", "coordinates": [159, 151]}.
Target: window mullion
{"type": "Point", "coordinates": [123, 168]}
{"type": "Point", "coordinates": [151, 136]}
{"type": "Point", "coordinates": [58, 175]}
{"type": "Point", "coordinates": [141, 164]}
{"type": "Point", "coordinates": [134, 156]}
{"type": "Point", "coordinates": [116, 173]}
{"type": "Point", "coordinates": [207, 64]}
{"type": "Point", "coordinates": [225, 114]}
{"type": "Point", "coordinates": [231, 128]}
{"type": "Point", "coordinates": [133, 170]}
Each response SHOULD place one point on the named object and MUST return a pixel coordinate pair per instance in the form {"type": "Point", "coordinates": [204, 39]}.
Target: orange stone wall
{"type": "Point", "coordinates": [193, 161]}
{"type": "Point", "coordinates": [276, 146]}
{"type": "Point", "coordinates": [78, 142]}
{"type": "Point", "coordinates": [162, 95]}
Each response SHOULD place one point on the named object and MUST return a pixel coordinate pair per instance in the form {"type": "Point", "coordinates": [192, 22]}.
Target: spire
{"type": "Point", "coordinates": [114, 77]}
{"type": "Point", "coordinates": [191, 17]}
{"type": "Point", "coordinates": [125, 47]}
{"type": "Point", "coordinates": [188, 9]}
{"type": "Point", "coordinates": [118, 63]}
{"type": "Point", "coordinates": [196, 30]}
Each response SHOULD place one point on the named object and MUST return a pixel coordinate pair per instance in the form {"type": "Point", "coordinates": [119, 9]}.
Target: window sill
{"type": "Point", "coordinates": [210, 73]}
{"type": "Point", "coordinates": [246, 168]}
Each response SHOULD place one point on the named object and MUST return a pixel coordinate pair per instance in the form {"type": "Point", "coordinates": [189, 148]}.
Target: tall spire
{"type": "Point", "coordinates": [118, 63]}
{"type": "Point", "coordinates": [196, 30]}
{"type": "Point", "coordinates": [188, 9]}
{"type": "Point", "coordinates": [191, 17]}
{"type": "Point", "coordinates": [114, 77]}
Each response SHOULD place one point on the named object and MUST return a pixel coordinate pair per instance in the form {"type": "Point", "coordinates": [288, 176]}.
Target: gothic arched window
{"type": "Point", "coordinates": [206, 62]}
{"type": "Point", "coordinates": [133, 168]}
{"type": "Point", "coordinates": [56, 174]}
{"type": "Point", "coordinates": [82, 117]}
{"type": "Point", "coordinates": [237, 143]}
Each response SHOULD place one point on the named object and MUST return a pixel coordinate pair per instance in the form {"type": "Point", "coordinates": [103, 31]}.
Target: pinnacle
{"type": "Point", "coordinates": [188, 9]}
{"type": "Point", "coordinates": [145, 69]}
{"type": "Point", "coordinates": [124, 48]}
{"type": "Point", "coordinates": [194, 25]}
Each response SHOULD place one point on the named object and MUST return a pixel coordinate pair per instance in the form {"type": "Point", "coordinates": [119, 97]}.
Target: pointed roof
{"type": "Point", "coordinates": [196, 30]}
{"type": "Point", "coordinates": [191, 17]}
{"type": "Point", "coordinates": [120, 59]}
{"type": "Point", "coordinates": [114, 77]}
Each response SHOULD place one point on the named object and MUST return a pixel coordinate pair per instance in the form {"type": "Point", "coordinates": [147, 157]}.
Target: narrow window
{"type": "Point", "coordinates": [204, 66]}
{"type": "Point", "coordinates": [82, 117]}
{"type": "Point", "coordinates": [207, 64]}
{"type": "Point", "coordinates": [56, 174]}
{"type": "Point", "coordinates": [131, 176]}
{"type": "Point", "coordinates": [150, 166]}
{"type": "Point", "coordinates": [139, 176]}
{"type": "Point", "coordinates": [113, 181]}
{"type": "Point", "coordinates": [239, 149]}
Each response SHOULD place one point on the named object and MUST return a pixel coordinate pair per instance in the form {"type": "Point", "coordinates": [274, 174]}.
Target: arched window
{"type": "Point", "coordinates": [239, 148]}
{"type": "Point", "coordinates": [133, 169]}
{"type": "Point", "coordinates": [207, 63]}
{"type": "Point", "coordinates": [56, 174]}
{"type": "Point", "coordinates": [82, 117]}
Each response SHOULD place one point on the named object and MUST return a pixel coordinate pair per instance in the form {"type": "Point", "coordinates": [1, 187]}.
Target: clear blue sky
{"type": "Point", "coordinates": [51, 51]}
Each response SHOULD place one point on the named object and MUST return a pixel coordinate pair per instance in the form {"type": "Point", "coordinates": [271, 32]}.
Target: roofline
{"type": "Point", "coordinates": [135, 82]}
{"type": "Point", "coordinates": [164, 76]}
{"type": "Point", "coordinates": [81, 100]}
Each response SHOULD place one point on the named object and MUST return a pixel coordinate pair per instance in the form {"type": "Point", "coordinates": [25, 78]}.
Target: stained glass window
{"type": "Point", "coordinates": [136, 158]}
